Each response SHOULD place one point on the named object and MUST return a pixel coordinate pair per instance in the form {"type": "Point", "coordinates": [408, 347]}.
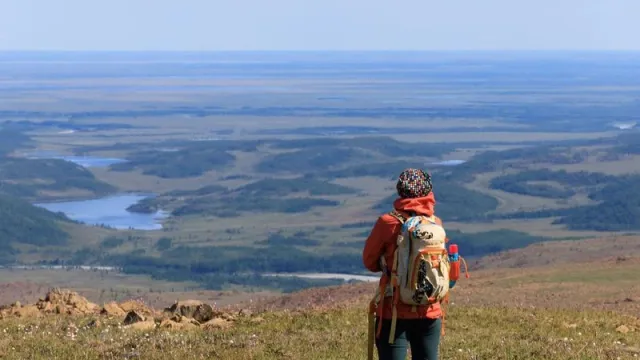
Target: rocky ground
{"type": "Point", "coordinates": [135, 314]}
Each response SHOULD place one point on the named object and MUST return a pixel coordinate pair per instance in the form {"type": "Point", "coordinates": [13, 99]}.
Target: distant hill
{"type": "Point", "coordinates": [35, 178]}
{"type": "Point", "coordinates": [22, 223]}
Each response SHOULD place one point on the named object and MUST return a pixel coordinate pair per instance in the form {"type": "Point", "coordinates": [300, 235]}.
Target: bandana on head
{"type": "Point", "coordinates": [414, 183]}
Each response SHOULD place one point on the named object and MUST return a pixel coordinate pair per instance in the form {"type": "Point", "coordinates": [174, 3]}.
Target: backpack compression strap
{"type": "Point", "coordinates": [394, 281]}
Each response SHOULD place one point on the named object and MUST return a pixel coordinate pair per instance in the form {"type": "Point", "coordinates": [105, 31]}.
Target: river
{"type": "Point", "coordinates": [324, 276]}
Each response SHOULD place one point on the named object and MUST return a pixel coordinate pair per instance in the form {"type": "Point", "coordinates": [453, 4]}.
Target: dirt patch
{"type": "Point", "coordinates": [317, 298]}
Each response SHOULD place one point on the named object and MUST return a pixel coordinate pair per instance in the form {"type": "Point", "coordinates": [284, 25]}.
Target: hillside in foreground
{"type": "Point", "coordinates": [565, 308]}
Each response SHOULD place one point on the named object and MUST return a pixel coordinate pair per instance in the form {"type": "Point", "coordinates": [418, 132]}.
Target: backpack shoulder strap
{"type": "Point", "coordinates": [400, 216]}
{"type": "Point", "coordinates": [396, 214]}
{"type": "Point", "coordinates": [432, 218]}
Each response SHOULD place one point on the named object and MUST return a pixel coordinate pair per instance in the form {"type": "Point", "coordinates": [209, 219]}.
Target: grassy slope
{"type": "Point", "coordinates": [545, 311]}
{"type": "Point", "coordinates": [472, 333]}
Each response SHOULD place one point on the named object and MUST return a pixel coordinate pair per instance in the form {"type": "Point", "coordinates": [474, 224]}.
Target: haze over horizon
{"type": "Point", "coordinates": [290, 25]}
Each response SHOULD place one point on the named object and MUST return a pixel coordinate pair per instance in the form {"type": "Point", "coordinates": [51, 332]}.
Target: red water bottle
{"type": "Point", "coordinates": [454, 259]}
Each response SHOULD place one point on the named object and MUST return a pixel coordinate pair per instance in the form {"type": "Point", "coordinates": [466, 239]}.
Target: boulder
{"type": "Point", "coordinates": [112, 309]}
{"type": "Point", "coordinates": [134, 317]}
{"type": "Point", "coordinates": [27, 311]}
{"type": "Point", "coordinates": [192, 309]}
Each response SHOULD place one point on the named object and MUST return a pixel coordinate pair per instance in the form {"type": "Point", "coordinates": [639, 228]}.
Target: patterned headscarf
{"type": "Point", "coordinates": [414, 183]}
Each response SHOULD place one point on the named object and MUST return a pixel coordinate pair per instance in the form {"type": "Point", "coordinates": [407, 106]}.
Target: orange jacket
{"type": "Point", "coordinates": [382, 240]}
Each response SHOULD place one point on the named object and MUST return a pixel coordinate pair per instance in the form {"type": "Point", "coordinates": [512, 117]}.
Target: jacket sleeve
{"type": "Point", "coordinates": [374, 246]}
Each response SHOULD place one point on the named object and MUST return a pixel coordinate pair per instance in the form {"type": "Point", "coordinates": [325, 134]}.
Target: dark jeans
{"type": "Point", "coordinates": [423, 335]}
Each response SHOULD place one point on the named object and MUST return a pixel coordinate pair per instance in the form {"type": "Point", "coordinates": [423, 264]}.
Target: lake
{"type": "Point", "coordinates": [109, 211]}
{"type": "Point", "coordinates": [85, 161]}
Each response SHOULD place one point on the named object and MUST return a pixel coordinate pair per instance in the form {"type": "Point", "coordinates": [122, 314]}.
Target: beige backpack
{"type": "Point", "coordinates": [419, 274]}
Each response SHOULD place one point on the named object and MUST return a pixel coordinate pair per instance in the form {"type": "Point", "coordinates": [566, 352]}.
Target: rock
{"type": "Point", "coordinates": [217, 323]}
{"type": "Point", "coordinates": [134, 317]}
{"type": "Point", "coordinates": [57, 301]}
{"type": "Point", "coordinates": [170, 324]}
{"type": "Point", "coordinates": [45, 307]}
{"type": "Point", "coordinates": [137, 306]}
{"type": "Point", "coordinates": [184, 320]}
{"type": "Point", "coordinates": [66, 302]}
{"type": "Point", "coordinates": [112, 309]}
{"type": "Point", "coordinates": [29, 311]}
{"type": "Point", "coordinates": [623, 329]}
{"type": "Point", "coordinates": [58, 309]}
{"type": "Point", "coordinates": [193, 309]}
{"type": "Point", "coordinates": [143, 325]}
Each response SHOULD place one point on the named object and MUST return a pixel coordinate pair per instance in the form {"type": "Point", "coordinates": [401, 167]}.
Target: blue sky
{"type": "Point", "coordinates": [319, 25]}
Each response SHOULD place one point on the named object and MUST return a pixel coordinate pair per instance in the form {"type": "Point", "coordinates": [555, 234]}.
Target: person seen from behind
{"type": "Point", "coordinates": [416, 327]}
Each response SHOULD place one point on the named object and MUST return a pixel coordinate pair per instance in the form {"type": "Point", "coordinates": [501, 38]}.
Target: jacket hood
{"type": "Point", "coordinates": [422, 206]}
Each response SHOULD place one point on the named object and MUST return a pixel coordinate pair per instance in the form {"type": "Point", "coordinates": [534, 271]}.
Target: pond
{"type": "Point", "coordinates": [109, 211]}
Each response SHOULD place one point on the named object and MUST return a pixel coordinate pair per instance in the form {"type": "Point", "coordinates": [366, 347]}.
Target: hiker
{"type": "Point", "coordinates": [417, 326]}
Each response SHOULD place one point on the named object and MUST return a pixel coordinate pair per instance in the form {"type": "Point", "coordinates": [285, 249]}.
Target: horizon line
{"type": "Point", "coordinates": [317, 51]}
